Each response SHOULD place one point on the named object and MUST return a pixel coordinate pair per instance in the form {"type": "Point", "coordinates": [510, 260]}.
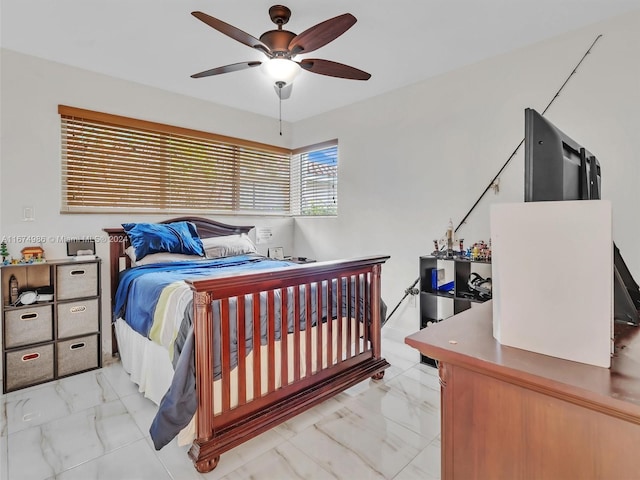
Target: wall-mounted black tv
{"type": "Point", "coordinates": [558, 168]}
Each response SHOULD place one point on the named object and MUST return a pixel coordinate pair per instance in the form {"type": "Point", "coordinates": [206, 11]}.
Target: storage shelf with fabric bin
{"type": "Point", "coordinates": [47, 335]}
{"type": "Point", "coordinates": [445, 288]}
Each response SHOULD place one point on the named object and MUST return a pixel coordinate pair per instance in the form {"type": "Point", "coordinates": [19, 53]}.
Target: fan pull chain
{"type": "Point", "coordinates": [280, 112]}
{"type": "Point", "coordinates": [280, 84]}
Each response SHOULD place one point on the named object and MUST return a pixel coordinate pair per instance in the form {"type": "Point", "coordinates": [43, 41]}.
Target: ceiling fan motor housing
{"type": "Point", "coordinates": [278, 41]}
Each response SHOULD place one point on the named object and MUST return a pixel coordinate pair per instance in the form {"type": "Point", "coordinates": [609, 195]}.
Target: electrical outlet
{"type": "Point", "coordinates": [28, 214]}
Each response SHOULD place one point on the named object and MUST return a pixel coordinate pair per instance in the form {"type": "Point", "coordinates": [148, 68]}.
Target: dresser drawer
{"type": "Point", "coordinates": [77, 355]}
{"type": "Point", "coordinates": [28, 325]}
{"type": "Point", "coordinates": [76, 281]}
{"type": "Point", "coordinates": [76, 318]}
{"type": "Point", "coordinates": [29, 366]}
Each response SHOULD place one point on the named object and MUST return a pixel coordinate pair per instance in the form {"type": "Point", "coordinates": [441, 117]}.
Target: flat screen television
{"type": "Point", "coordinates": [558, 168]}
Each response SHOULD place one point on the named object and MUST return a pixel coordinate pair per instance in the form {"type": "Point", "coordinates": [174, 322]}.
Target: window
{"type": "Point", "coordinates": [112, 163]}
{"type": "Point", "coordinates": [118, 164]}
{"type": "Point", "coordinates": [314, 180]}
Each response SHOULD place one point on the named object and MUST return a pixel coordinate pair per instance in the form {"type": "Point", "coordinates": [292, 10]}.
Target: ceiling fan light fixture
{"type": "Point", "coordinates": [281, 70]}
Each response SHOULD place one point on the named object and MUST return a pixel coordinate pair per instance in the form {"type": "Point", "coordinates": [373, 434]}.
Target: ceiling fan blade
{"type": "Point", "coordinates": [226, 69]}
{"type": "Point", "coordinates": [321, 34]}
{"type": "Point", "coordinates": [333, 69]}
{"type": "Point", "coordinates": [232, 32]}
{"type": "Point", "coordinates": [284, 92]}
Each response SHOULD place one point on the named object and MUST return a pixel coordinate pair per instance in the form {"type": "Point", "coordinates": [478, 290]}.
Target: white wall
{"type": "Point", "coordinates": [413, 158]}
{"type": "Point", "coordinates": [30, 176]}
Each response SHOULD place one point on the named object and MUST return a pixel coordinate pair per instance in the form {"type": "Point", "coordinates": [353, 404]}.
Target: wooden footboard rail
{"type": "Point", "coordinates": [304, 367]}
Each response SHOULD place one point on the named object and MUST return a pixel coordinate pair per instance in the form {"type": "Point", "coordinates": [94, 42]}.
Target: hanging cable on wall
{"type": "Point", "coordinates": [414, 291]}
{"type": "Point", "coordinates": [513, 154]}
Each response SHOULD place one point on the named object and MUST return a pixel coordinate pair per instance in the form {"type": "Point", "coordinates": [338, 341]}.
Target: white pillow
{"type": "Point", "coordinates": [228, 245]}
{"type": "Point", "coordinates": [162, 257]}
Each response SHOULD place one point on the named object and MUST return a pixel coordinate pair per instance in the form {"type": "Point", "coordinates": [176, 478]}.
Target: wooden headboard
{"type": "Point", "coordinates": [118, 242]}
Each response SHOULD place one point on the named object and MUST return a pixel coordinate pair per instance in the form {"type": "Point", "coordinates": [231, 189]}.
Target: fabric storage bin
{"type": "Point", "coordinates": [77, 355]}
{"type": "Point", "coordinates": [76, 281]}
{"type": "Point", "coordinates": [29, 366]}
{"type": "Point", "coordinates": [28, 325]}
{"type": "Point", "coordinates": [76, 318]}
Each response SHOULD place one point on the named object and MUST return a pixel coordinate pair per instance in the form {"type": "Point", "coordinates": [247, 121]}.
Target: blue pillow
{"type": "Point", "coordinates": [177, 237]}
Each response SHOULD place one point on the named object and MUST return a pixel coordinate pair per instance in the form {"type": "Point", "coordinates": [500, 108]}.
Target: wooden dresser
{"type": "Point", "coordinates": [56, 336]}
{"type": "Point", "coordinates": [512, 414]}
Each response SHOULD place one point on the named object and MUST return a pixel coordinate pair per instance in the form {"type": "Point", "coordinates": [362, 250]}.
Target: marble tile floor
{"type": "Point", "coordinates": [95, 426]}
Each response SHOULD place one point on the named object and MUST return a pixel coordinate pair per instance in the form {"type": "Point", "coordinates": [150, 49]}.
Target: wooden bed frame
{"type": "Point", "coordinates": [218, 433]}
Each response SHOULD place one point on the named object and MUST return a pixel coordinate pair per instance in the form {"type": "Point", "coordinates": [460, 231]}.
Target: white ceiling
{"type": "Point", "coordinates": [160, 44]}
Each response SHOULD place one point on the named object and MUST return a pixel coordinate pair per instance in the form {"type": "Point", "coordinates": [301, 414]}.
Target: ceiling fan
{"type": "Point", "coordinates": [281, 46]}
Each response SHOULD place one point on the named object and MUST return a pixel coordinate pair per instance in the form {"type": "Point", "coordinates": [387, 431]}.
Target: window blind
{"type": "Point", "coordinates": [315, 180]}
{"type": "Point", "coordinates": [112, 163]}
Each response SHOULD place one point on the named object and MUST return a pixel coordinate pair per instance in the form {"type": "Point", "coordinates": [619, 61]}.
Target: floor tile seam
{"type": "Point", "coordinates": [93, 459]}
{"type": "Point", "coordinates": [332, 438]}
{"type": "Point", "coordinates": [307, 456]}
{"type": "Point", "coordinates": [363, 405]}
{"type": "Point", "coordinates": [414, 360]}
{"type": "Point", "coordinates": [4, 467]}
{"type": "Point", "coordinates": [407, 377]}
{"type": "Point", "coordinates": [429, 445]}
{"type": "Point", "coordinates": [21, 391]}
{"type": "Point", "coordinates": [43, 425]}
{"type": "Point", "coordinates": [24, 427]}
{"type": "Point", "coordinates": [406, 427]}
{"type": "Point", "coordinates": [113, 386]}
{"type": "Point", "coordinates": [144, 434]}
{"type": "Point", "coordinates": [273, 449]}
{"type": "Point", "coordinates": [388, 382]}
{"type": "Point", "coordinates": [390, 359]}
{"type": "Point", "coordinates": [148, 442]}
{"type": "Point", "coordinates": [399, 343]}
{"type": "Point", "coordinates": [428, 477]}
{"type": "Point", "coordinates": [69, 410]}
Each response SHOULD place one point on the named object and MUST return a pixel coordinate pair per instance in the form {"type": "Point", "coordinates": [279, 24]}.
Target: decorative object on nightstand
{"type": "Point", "coordinates": [32, 254]}
{"type": "Point", "coordinates": [4, 251]}
{"type": "Point", "coordinates": [57, 332]}
{"type": "Point", "coordinates": [276, 252]}
{"type": "Point", "coordinates": [301, 260]}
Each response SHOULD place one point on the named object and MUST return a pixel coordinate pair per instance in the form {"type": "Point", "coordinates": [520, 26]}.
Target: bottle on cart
{"type": "Point", "coordinates": [450, 239]}
{"type": "Point", "coordinates": [13, 289]}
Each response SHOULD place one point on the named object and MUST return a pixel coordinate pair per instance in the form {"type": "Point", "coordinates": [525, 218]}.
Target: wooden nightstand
{"type": "Point", "coordinates": [60, 336]}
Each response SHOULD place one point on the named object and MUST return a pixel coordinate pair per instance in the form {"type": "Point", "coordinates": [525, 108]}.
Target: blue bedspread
{"type": "Point", "coordinates": [144, 284]}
